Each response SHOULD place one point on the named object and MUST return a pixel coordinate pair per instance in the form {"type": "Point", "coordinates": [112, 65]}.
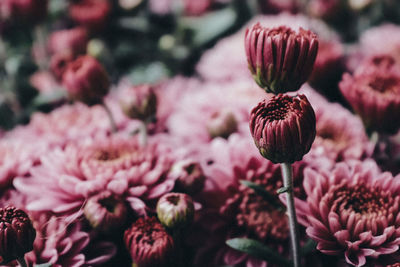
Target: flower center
{"type": "Point", "coordinates": [173, 199]}
{"type": "Point", "coordinates": [362, 200]}
{"type": "Point", "coordinates": [278, 108]}
{"type": "Point", "coordinates": [107, 155]}
{"type": "Point", "coordinates": [384, 84]}
{"type": "Point", "coordinates": [109, 203]}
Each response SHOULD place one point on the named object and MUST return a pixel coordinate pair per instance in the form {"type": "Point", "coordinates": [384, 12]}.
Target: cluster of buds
{"type": "Point", "coordinates": [281, 60]}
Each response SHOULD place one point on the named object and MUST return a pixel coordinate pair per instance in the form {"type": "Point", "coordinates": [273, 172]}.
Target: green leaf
{"type": "Point", "coordinates": [48, 98]}
{"type": "Point", "coordinates": [308, 247]}
{"type": "Point", "coordinates": [43, 265]}
{"type": "Point", "coordinates": [267, 196]}
{"type": "Point", "coordinates": [258, 250]}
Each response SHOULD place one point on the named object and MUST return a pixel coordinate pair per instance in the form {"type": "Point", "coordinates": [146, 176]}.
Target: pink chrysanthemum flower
{"type": "Point", "coordinates": [224, 110]}
{"type": "Point", "coordinates": [71, 123]}
{"type": "Point", "coordinates": [339, 138]}
{"type": "Point", "coordinates": [117, 164]}
{"type": "Point", "coordinates": [236, 211]}
{"type": "Point", "coordinates": [353, 210]}
{"type": "Point", "coordinates": [63, 244]}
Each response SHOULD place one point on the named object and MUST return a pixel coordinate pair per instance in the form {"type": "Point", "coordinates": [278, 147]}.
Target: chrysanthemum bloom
{"type": "Point", "coordinates": [16, 234]}
{"type": "Point", "coordinates": [86, 80]}
{"type": "Point", "coordinates": [117, 164]}
{"type": "Point", "coordinates": [283, 127]}
{"type": "Point", "coordinates": [175, 210]}
{"type": "Point", "coordinates": [72, 40]}
{"type": "Point", "coordinates": [374, 93]}
{"type": "Point", "coordinates": [92, 14]}
{"type": "Point", "coordinates": [139, 102]}
{"type": "Point", "coordinates": [353, 210]}
{"type": "Point", "coordinates": [280, 59]}
{"type": "Point", "coordinates": [189, 176]}
{"type": "Point", "coordinates": [149, 243]}
{"type": "Point", "coordinates": [64, 243]}
{"type": "Point", "coordinates": [338, 138]}
{"type": "Point", "coordinates": [106, 212]}
{"type": "Point", "coordinates": [231, 210]}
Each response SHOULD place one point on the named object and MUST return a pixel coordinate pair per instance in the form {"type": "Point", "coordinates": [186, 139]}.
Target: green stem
{"type": "Point", "coordinates": [22, 262]}
{"type": "Point", "coordinates": [114, 128]}
{"type": "Point", "coordinates": [294, 236]}
{"type": "Point", "coordinates": [143, 134]}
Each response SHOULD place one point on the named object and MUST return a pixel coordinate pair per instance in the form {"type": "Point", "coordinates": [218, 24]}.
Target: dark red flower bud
{"type": "Point", "coordinates": [149, 243]}
{"type": "Point", "coordinates": [91, 14]}
{"type": "Point", "coordinates": [86, 80]}
{"type": "Point", "coordinates": [16, 234]}
{"type": "Point", "coordinates": [59, 63]}
{"type": "Point", "coordinates": [72, 41]}
{"type": "Point", "coordinates": [189, 176]}
{"type": "Point", "coordinates": [280, 59]}
{"type": "Point", "coordinates": [139, 102]}
{"type": "Point", "coordinates": [105, 212]}
{"type": "Point", "coordinates": [283, 128]}
{"type": "Point", "coordinates": [374, 93]}
{"type": "Point", "coordinates": [175, 210]}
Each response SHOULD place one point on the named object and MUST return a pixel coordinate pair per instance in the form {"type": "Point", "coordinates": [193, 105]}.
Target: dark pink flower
{"type": "Point", "coordinates": [16, 234]}
{"type": "Point", "coordinates": [280, 59]}
{"type": "Point", "coordinates": [149, 243]}
{"type": "Point", "coordinates": [23, 11]}
{"type": "Point", "coordinates": [91, 14]}
{"type": "Point", "coordinates": [352, 210]}
{"type": "Point", "coordinates": [86, 80]}
{"type": "Point", "coordinates": [283, 127]}
{"type": "Point", "coordinates": [373, 91]}
{"type": "Point", "coordinates": [72, 41]}
{"type": "Point", "coordinates": [59, 63]}
{"type": "Point", "coordinates": [117, 164]}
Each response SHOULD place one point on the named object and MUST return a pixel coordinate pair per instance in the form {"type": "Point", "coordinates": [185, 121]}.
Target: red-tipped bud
{"type": "Point", "coordinates": [72, 41]}
{"type": "Point", "coordinates": [105, 212]}
{"type": "Point", "coordinates": [374, 93]}
{"type": "Point", "coordinates": [16, 234]}
{"type": "Point", "coordinates": [175, 210]}
{"type": "Point", "coordinates": [139, 102]}
{"type": "Point", "coordinates": [149, 243]}
{"type": "Point", "coordinates": [189, 176]}
{"type": "Point", "coordinates": [222, 123]}
{"type": "Point", "coordinates": [280, 59]}
{"type": "Point", "coordinates": [283, 128]}
{"type": "Point", "coordinates": [91, 14]}
{"type": "Point", "coordinates": [86, 80]}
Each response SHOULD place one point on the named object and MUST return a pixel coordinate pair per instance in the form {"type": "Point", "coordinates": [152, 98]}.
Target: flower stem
{"type": "Point", "coordinates": [294, 236]}
{"type": "Point", "coordinates": [143, 134]}
{"type": "Point", "coordinates": [114, 128]}
{"type": "Point", "coordinates": [22, 262]}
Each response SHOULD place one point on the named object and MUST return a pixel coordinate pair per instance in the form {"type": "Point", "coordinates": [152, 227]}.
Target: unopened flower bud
{"type": "Point", "coordinates": [139, 102]}
{"type": "Point", "coordinates": [283, 128]}
{"type": "Point", "coordinates": [86, 80]}
{"type": "Point", "coordinates": [222, 124]}
{"type": "Point", "coordinates": [105, 212]}
{"type": "Point", "coordinates": [175, 210]}
{"type": "Point", "coordinates": [189, 176]}
{"type": "Point", "coordinates": [149, 244]}
{"type": "Point", "coordinates": [16, 234]}
{"type": "Point", "coordinates": [59, 63]}
{"type": "Point", "coordinates": [280, 59]}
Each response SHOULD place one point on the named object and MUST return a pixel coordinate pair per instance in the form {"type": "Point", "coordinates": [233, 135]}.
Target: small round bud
{"type": "Point", "coordinates": [16, 234]}
{"type": "Point", "coordinates": [175, 210]}
{"type": "Point", "coordinates": [222, 124]}
{"type": "Point", "coordinates": [139, 102]}
{"type": "Point", "coordinates": [189, 176]}
{"type": "Point", "coordinates": [86, 80]}
{"type": "Point", "coordinates": [280, 59]}
{"type": "Point", "coordinates": [149, 243]}
{"type": "Point", "coordinates": [105, 212]}
{"type": "Point", "coordinates": [283, 128]}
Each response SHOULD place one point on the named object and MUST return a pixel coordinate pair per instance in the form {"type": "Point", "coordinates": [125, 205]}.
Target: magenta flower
{"type": "Point", "coordinates": [92, 14]}
{"type": "Point", "coordinates": [373, 91]}
{"type": "Point", "coordinates": [63, 243]}
{"type": "Point", "coordinates": [283, 127]}
{"type": "Point", "coordinates": [280, 59]}
{"type": "Point", "coordinates": [116, 164]}
{"type": "Point", "coordinates": [149, 243]}
{"type": "Point", "coordinates": [352, 210]}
